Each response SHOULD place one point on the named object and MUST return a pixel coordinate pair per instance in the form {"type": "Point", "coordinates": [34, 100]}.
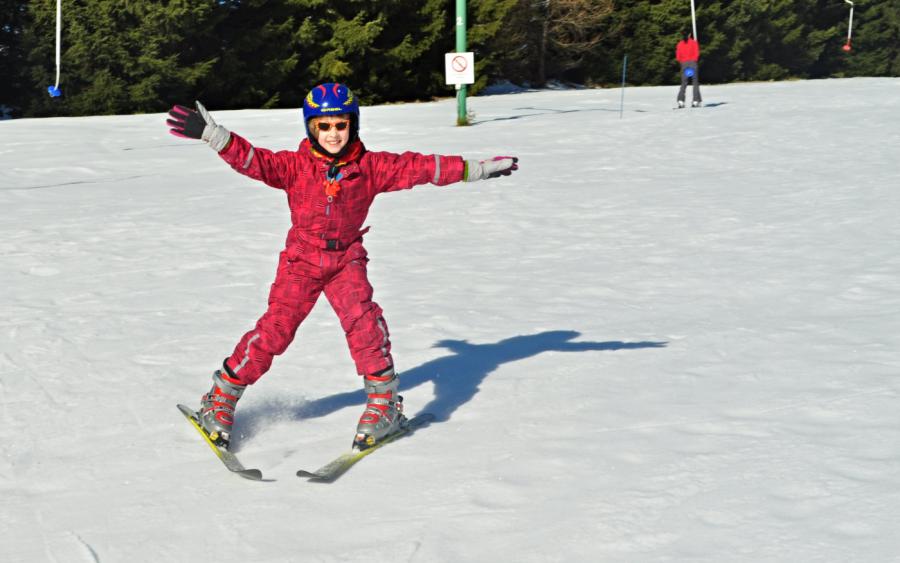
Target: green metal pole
{"type": "Point", "coordinates": [462, 117]}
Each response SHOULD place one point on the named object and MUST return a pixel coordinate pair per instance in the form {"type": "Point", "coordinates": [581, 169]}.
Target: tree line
{"type": "Point", "coordinates": [136, 56]}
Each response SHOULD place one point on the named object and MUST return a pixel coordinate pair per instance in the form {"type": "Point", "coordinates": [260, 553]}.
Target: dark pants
{"type": "Point", "coordinates": [695, 79]}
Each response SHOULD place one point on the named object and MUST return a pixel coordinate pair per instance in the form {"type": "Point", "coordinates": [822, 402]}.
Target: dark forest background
{"type": "Point", "coordinates": [136, 56]}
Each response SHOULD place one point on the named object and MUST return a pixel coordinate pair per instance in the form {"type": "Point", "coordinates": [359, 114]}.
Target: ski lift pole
{"type": "Point", "coordinates": [622, 101]}
{"type": "Point", "coordinates": [462, 117]}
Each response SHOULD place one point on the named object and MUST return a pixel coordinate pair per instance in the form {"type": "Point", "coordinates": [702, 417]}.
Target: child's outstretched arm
{"type": "Point", "coordinates": [275, 169]}
{"type": "Point", "coordinates": [404, 171]}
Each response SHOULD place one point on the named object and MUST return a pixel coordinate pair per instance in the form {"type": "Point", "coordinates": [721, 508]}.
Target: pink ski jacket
{"type": "Point", "coordinates": [335, 221]}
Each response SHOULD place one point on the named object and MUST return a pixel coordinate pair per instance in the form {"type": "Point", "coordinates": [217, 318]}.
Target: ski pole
{"type": "Point", "coordinates": [622, 101]}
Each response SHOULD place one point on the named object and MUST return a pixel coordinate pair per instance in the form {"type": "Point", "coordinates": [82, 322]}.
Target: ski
{"type": "Point", "coordinates": [329, 472]}
{"type": "Point", "coordinates": [702, 105]}
{"type": "Point", "coordinates": [227, 458]}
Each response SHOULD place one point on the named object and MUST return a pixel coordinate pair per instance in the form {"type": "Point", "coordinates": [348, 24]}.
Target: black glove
{"type": "Point", "coordinates": [191, 124]}
{"type": "Point", "coordinates": [185, 122]}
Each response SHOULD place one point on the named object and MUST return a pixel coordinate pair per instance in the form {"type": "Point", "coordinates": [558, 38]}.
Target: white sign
{"type": "Point", "coordinates": [460, 68]}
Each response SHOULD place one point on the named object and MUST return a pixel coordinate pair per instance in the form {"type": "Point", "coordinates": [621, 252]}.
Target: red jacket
{"type": "Point", "coordinates": [316, 216]}
{"type": "Point", "coordinates": [687, 51]}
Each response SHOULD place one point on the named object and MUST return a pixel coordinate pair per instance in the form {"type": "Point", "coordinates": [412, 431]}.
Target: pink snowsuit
{"type": "Point", "coordinates": [324, 251]}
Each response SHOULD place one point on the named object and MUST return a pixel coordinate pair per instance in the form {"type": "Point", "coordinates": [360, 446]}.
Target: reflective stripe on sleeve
{"type": "Point", "coordinates": [249, 158]}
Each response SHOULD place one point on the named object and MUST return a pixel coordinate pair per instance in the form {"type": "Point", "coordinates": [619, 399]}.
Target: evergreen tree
{"type": "Point", "coordinates": [876, 40]}
{"type": "Point", "coordinates": [256, 50]}
{"type": "Point", "coordinates": [118, 56]}
{"type": "Point", "coordinates": [499, 37]}
{"type": "Point", "coordinates": [573, 32]}
{"type": "Point", "coordinates": [122, 56]}
{"type": "Point", "coordinates": [385, 51]}
{"type": "Point", "coordinates": [769, 40]}
{"type": "Point", "coordinates": [537, 40]}
{"type": "Point", "coordinates": [648, 32]}
{"type": "Point", "coordinates": [13, 21]}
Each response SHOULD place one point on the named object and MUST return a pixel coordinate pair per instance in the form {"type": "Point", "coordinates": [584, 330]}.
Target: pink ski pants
{"type": "Point", "coordinates": [302, 276]}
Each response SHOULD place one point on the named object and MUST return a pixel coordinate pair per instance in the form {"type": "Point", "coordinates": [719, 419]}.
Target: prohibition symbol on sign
{"type": "Point", "coordinates": [460, 68]}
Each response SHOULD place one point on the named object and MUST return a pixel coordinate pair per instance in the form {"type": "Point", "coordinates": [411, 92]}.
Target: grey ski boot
{"type": "Point", "coordinates": [217, 407]}
{"type": "Point", "coordinates": [384, 410]}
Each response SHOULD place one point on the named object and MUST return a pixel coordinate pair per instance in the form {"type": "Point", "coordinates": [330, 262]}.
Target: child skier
{"type": "Point", "coordinates": [330, 181]}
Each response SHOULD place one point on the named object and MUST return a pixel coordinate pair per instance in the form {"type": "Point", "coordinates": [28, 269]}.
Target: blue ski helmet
{"type": "Point", "coordinates": [689, 72]}
{"type": "Point", "coordinates": [331, 99]}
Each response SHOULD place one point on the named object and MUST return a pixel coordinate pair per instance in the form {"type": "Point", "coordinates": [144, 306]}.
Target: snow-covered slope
{"type": "Point", "coordinates": [669, 337]}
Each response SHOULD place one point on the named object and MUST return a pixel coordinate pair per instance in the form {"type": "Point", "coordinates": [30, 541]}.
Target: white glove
{"type": "Point", "coordinates": [216, 135]}
{"type": "Point", "coordinates": [494, 168]}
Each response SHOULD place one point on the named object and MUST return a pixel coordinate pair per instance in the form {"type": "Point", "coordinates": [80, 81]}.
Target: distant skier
{"type": "Point", "coordinates": [330, 182]}
{"type": "Point", "coordinates": [687, 52]}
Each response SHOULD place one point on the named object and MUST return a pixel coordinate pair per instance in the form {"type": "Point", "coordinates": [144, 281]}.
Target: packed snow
{"type": "Point", "coordinates": [672, 335]}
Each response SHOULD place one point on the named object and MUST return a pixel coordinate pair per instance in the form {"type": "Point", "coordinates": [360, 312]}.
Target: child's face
{"type": "Point", "coordinates": [333, 132]}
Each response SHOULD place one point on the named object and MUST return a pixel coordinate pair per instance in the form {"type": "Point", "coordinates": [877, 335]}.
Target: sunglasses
{"type": "Point", "coordinates": [324, 126]}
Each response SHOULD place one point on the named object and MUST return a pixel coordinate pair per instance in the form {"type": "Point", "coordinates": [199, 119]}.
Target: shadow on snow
{"type": "Point", "coordinates": [546, 111]}
{"type": "Point", "coordinates": [456, 377]}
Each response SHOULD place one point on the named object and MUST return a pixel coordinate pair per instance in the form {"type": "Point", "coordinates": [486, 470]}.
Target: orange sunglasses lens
{"type": "Point", "coordinates": [325, 127]}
